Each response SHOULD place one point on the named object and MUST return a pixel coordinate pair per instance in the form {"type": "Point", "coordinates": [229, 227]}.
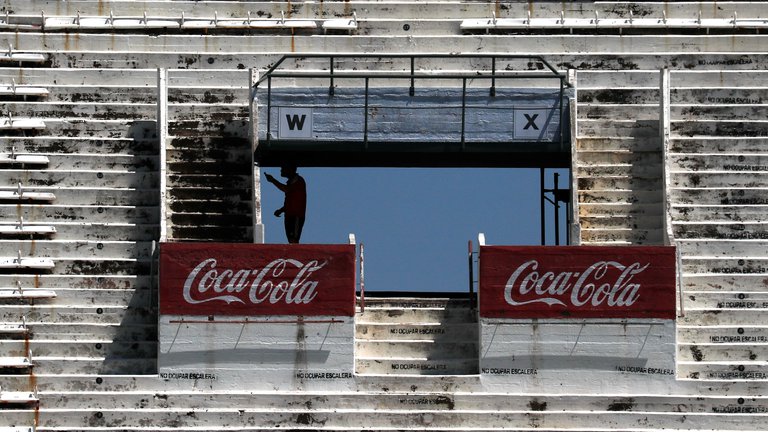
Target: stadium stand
{"type": "Point", "coordinates": [126, 123]}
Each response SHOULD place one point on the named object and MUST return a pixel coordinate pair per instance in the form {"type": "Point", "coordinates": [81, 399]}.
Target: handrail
{"type": "Point", "coordinates": [471, 278]}
{"type": "Point", "coordinates": [412, 57]}
{"type": "Point", "coordinates": [362, 278]}
{"type": "Point", "coordinates": [248, 321]}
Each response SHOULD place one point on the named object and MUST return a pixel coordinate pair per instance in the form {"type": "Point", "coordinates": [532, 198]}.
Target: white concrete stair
{"type": "Point", "coordinates": [413, 336]}
{"type": "Point", "coordinates": [617, 158]}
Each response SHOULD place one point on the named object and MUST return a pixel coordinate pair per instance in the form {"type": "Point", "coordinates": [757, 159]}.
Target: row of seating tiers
{"type": "Point", "coordinates": [64, 191]}
{"type": "Point", "coordinates": [374, 17]}
{"type": "Point", "coordinates": [81, 208]}
{"type": "Point", "coordinates": [701, 192]}
{"type": "Point", "coordinates": [716, 179]}
{"type": "Point", "coordinates": [17, 357]}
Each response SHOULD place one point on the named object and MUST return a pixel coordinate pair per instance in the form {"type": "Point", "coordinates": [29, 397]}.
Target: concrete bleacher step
{"type": "Point", "coordinates": [633, 213]}
{"type": "Point", "coordinates": [133, 144]}
{"type": "Point", "coordinates": [716, 162]}
{"type": "Point", "coordinates": [627, 234]}
{"type": "Point", "coordinates": [726, 334]}
{"type": "Point", "coordinates": [618, 111]}
{"type": "Point", "coordinates": [83, 348]}
{"type": "Point", "coordinates": [727, 128]}
{"type": "Point", "coordinates": [85, 179]}
{"type": "Point", "coordinates": [720, 231]}
{"type": "Point", "coordinates": [104, 231]}
{"type": "Point", "coordinates": [731, 270]}
{"type": "Point", "coordinates": [112, 110]}
{"type": "Point", "coordinates": [649, 170]}
{"type": "Point", "coordinates": [49, 313]}
{"type": "Point", "coordinates": [372, 419]}
{"type": "Point", "coordinates": [55, 248]}
{"type": "Point", "coordinates": [386, 400]}
{"type": "Point", "coordinates": [376, 314]}
{"type": "Point", "coordinates": [78, 296]}
{"type": "Point", "coordinates": [608, 128]}
{"type": "Point", "coordinates": [727, 318]}
{"type": "Point", "coordinates": [98, 162]}
{"type": "Point", "coordinates": [695, 247]}
{"type": "Point", "coordinates": [714, 213]}
{"type": "Point", "coordinates": [618, 144]}
{"type": "Point", "coordinates": [733, 282]}
{"type": "Point", "coordinates": [747, 298]}
{"type": "Point", "coordinates": [724, 196]}
{"type": "Point", "coordinates": [414, 332]}
{"type": "Point", "coordinates": [93, 213]}
{"type": "Point", "coordinates": [95, 332]}
{"type": "Point", "coordinates": [97, 365]}
{"type": "Point", "coordinates": [430, 349]}
{"type": "Point", "coordinates": [619, 196]}
{"type": "Point", "coordinates": [210, 180]}
{"type": "Point", "coordinates": [729, 370]}
{"type": "Point", "coordinates": [101, 196]}
{"type": "Point", "coordinates": [739, 145]}
{"type": "Point", "coordinates": [94, 266]}
{"type": "Point", "coordinates": [416, 366]}
{"type": "Point", "coordinates": [149, 382]}
{"type": "Point", "coordinates": [619, 182]}
{"type": "Point", "coordinates": [698, 352]}
{"type": "Point", "coordinates": [719, 179]}
{"type": "Point", "coordinates": [620, 217]}
{"type": "Point", "coordinates": [210, 233]}
{"type": "Point", "coordinates": [74, 281]}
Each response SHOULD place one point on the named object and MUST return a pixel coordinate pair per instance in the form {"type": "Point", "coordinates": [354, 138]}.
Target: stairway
{"type": "Point", "coordinates": [209, 170]}
{"type": "Point", "coordinates": [718, 217]}
{"type": "Point", "coordinates": [416, 336]}
{"type": "Point", "coordinates": [617, 160]}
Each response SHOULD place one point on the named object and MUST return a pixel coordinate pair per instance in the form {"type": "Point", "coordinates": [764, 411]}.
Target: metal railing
{"type": "Point", "coordinates": [362, 278]}
{"type": "Point", "coordinates": [543, 70]}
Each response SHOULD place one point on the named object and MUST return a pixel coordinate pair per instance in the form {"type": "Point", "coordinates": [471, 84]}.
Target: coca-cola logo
{"type": "Point", "coordinates": [604, 282]}
{"type": "Point", "coordinates": [283, 280]}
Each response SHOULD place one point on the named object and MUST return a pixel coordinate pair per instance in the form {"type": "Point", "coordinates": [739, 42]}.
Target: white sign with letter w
{"type": "Point", "coordinates": [294, 122]}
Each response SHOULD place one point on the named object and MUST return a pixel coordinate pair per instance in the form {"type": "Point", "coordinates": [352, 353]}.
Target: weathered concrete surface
{"type": "Point", "coordinates": [100, 118]}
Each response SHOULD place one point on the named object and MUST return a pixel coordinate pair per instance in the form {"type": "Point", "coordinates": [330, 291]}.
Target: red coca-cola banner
{"type": "Point", "coordinates": [257, 279]}
{"type": "Point", "coordinates": [577, 282]}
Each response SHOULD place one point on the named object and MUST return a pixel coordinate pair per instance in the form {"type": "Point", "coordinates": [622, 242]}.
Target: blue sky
{"type": "Point", "coordinates": [415, 222]}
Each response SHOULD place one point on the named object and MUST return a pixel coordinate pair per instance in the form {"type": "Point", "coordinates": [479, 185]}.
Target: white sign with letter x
{"type": "Point", "coordinates": [294, 122]}
{"type": "Point", "coordinates": [532, 123]}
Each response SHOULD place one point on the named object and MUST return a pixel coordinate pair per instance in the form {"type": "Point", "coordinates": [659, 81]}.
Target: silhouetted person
{"type": "Point", "coordinates": [295, 204]}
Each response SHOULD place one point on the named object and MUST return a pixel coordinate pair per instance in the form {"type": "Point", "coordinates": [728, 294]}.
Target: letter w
{"type": "Point", "coordinates": [294, 120]}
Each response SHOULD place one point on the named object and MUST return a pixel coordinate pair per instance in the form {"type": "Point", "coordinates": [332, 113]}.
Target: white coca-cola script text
{"type": "Point", "coordinates": [592, 286]}
{"type": "Point", "coordinates": [205, 283]}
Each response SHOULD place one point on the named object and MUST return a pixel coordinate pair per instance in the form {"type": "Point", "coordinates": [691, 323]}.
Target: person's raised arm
{"type": "Point", "coordinates": [275, 182]}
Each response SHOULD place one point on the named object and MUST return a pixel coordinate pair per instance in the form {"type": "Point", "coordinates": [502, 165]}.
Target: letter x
{"type": "Point", "coordinates": [531, 120]}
